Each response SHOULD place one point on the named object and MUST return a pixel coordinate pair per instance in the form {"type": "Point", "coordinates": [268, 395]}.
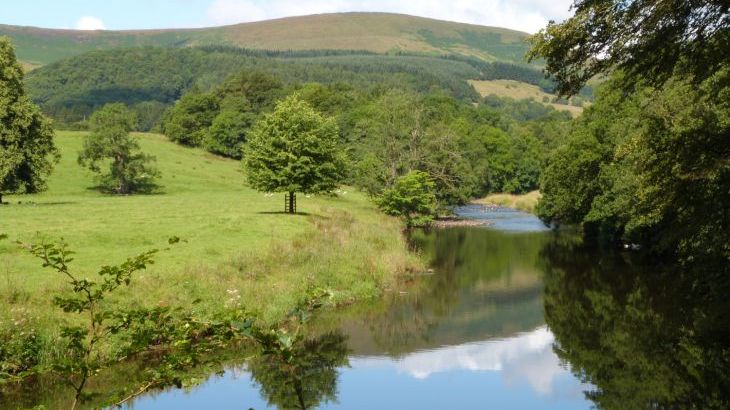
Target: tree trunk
{"type": "Point", "coordinates": [1, 198]}
{"type": "Point", "coordinates": [292, 203]}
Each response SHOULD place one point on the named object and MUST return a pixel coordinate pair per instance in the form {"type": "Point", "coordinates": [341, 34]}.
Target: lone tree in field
{"type": "Point", "coordinates": [110, 142]}
{"type": "Point", "coordinates": [294, 149]}
{"type": "Point", "coordinates": [27, 152]}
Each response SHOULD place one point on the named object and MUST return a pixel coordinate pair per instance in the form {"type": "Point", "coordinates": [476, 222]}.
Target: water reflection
{"type": "Point", "coordinates": [306, 376]}
{"type": "Point", "coordinates": [646, 336]}
{"type": "Point", "coordinates": [468, 335]}
{"type": "Point", "coordinates": [527, 356]}
{"type": "Point", "coordinates": [518, 319]}
{"type": "Point", "coordinates": [486, 284]}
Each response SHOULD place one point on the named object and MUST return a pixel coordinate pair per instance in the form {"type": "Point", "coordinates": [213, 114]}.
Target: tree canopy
{"type": "Point", "coordinates": [650, 39]}
{"type": "Point", "coordinates": [27, 152]}
{"type": "Point", "coordinates": [412, 198]}
{"type": "Point", "coordinates": [294, 149]}
{"type": "Point", "coordinates": [649, 162]}
{"type": "Point", "coordinates": [188, 121]}
{"type": "Point", "coordinates": [109, 141]}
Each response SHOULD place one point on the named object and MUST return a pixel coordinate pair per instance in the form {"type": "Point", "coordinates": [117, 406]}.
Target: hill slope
{"type": "Point", "coordinates": [521, 90]}
{"type": "Point", "coordinates": [376, 32]}
{"type": "Point", "coordinates": [226, 226]}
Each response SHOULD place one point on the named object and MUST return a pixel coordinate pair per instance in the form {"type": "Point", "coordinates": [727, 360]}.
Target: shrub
{"type": "Point", "coordinates": [412, 198]}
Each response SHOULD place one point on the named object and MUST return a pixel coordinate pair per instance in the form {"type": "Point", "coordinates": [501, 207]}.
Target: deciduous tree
{"type": "Point", "coordinates": [294, 149]}
{"type": "Point", "coordinates": [27, 152]}
{"type": "Point", "coordinates": [647, 39]}
{"type": "Point", "coordinates": [110, 141]}
{"type": "Point", "coordinates": [412, 198]}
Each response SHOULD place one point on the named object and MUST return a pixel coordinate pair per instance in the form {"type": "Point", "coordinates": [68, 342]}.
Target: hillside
{"type": "Point", "coordinates": [226, 227]}
{"type": "Point", "coordinates": [71, 89]}
{"type": "Point", "coordinates": [521, 90]}
{"type": "Point", "coordinates": [376, 32]}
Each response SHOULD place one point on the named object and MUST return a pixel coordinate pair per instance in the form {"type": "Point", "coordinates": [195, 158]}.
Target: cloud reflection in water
{"type": "Point", "coordinates": [527, 356]}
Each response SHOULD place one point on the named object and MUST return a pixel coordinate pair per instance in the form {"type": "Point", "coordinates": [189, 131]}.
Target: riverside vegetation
{"type": "Point", "coordinates": [264, 263]}
{"type": "Point", "coordinates": [647, 163]}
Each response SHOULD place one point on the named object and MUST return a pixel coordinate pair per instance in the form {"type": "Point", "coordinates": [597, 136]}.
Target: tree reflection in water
{"type": "Point", "coordinates": [644, 337]}
{"type": "Point", "coordinates": [304, 375]}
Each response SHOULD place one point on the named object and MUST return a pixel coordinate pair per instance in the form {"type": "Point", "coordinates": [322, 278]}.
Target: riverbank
{"type": "Point", "coordinates": [523, 202]}
{"type": "Point", "coordinates": [237, 249]}
{"type": "Point", "coordinates": [455, 221]}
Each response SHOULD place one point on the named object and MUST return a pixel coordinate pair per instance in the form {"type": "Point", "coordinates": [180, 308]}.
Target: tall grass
{"type": "Point", "coordinates": [525, 202]}
{"type": "Point", "coordinates": [237, 249]}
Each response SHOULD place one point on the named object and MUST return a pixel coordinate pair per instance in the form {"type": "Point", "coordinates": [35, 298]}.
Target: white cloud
{"type": "Point", "coordinates": [525, 15]}
{"type": "Point", "coordinates": [89, 23]}
{"type": "Point", "coordinates": [526, 357]}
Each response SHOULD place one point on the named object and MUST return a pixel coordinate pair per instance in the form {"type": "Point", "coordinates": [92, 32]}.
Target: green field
{"type": "Point", "coordinates": [237, 247]}
{"type": "Point", "coordinates": [520, 90]}
{"type": "Point", "coordinates": [376, 32]}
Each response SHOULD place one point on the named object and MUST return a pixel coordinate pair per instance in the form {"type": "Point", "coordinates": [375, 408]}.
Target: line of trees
{"type": "Point", "coordinates": [383, 135]}
{"type": "Point", "coordinates": [466, 150]}
{"type": "Point", "coordinates": [649, 162]}
{"type": "Point", "coordinates": [148, 78]}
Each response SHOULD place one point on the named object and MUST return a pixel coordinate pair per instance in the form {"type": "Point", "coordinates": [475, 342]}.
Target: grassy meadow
{"type": "Point", "coordinates": [519, 91]}
{"type": "Point", "coordinates": [237, 248]}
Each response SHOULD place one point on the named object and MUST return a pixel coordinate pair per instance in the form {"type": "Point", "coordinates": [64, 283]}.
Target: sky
{"type": "Point", "coordinates": [524, 15]}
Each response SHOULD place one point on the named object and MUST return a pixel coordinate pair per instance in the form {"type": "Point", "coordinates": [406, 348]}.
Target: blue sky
{"type": "Point", "coordinates": [526, 15]}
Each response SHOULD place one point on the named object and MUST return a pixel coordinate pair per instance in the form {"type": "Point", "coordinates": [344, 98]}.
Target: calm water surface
{"type": "Point", "coordinates": [512, 316]}
{"type": "Point", "coordinates": [470, 335]}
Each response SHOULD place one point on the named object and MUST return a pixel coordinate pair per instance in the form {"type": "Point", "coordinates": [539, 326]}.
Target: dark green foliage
{"type": "Point", "coordinates": [149, 114]}
{"type": "Point", "coordinates": [412, 198]}
{"type": "Point", "coordinates": [110, 143]}
{"type": "Point", "coordinates": [524, 110]}
{"type": "Point", "coordinates": [570, 181]}
{"type": "Point", "coordinates": [304, 374]}
{"type": "Point", "coordinates": [221, 119]}
{"type": "Point", "coordinates": [399, 132]}
{"type": "Point", "coordinates": [467, 151]}
{"type": "Point", "coordinates": [72, 89]}
{"type": "Point", "coordinates": [513, 163]}
{"type": "Point", "coordinates": [329, 99]}
{"type": "Point", "coordinates": [294, 149]}
{"type": "Point", "coordinates": [228, 132]}
{"type": "Point", "coordinates": [188, 121]}
{"type": "Point", "coordinates": [649, 162]}
{"type": "Point", "coordinates": [642, 336]}
{"type": "Point", "coordinates": [259, 88]}
{"type": "Point", "coordinates": [27, 151]}
{"type": "Point", "coordinates": [648, 39]}
{"type": "Point", "coordinates": [649, 168]}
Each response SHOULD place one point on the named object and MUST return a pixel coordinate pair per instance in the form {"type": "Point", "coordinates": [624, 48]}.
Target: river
{"type": "Point", "coordinates": [510, 316]}
{"type": "Point", "coordinates": [470, 334]}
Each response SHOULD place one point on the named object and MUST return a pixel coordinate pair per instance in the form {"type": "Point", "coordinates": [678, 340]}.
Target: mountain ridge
{"type": "Point", "coordinates": [376, 32]}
